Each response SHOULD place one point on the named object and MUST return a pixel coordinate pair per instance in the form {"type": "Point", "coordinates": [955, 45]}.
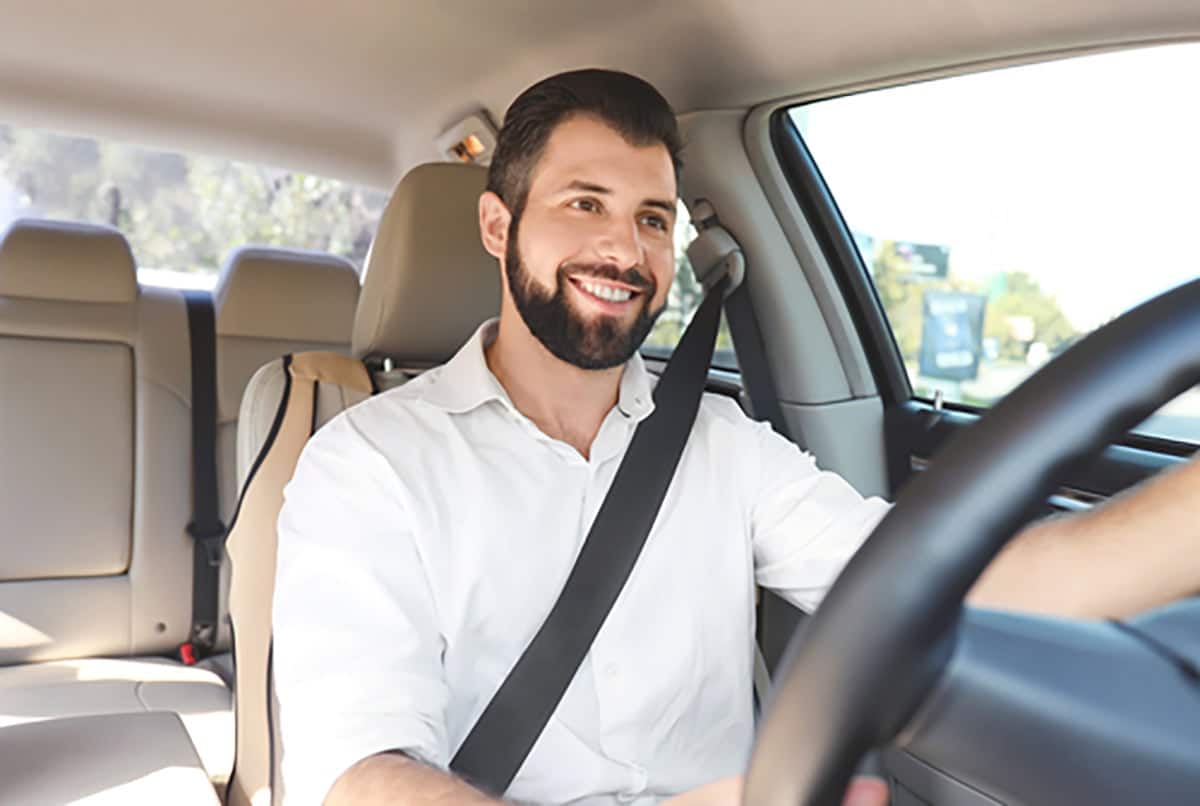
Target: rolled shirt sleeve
{"type": "Point", "coordinates": [357, 648]}
{"type": "Point", "coordinates": [806, 523]}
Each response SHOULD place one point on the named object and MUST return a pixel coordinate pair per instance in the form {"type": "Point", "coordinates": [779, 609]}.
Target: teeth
{"type": "Point", "coordinates": [607, 292]}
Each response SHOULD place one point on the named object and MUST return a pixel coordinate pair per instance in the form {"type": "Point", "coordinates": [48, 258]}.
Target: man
{"type": "Point", "coordinates": [427, 531]}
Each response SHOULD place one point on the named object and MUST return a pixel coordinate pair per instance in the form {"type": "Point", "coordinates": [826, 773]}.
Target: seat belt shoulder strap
{"type": "Point", "coordinates": [511, 723]}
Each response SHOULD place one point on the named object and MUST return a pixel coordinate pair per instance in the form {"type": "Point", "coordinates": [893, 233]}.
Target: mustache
{"type": "Point", "coordinates": [608, 271]}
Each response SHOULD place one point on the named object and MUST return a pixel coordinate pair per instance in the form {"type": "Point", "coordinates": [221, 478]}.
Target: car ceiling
{"type": "Point", "coordinates": [360, 88]}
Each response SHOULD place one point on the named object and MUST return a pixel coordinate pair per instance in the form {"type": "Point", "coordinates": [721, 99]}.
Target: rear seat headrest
{"type": "Point", "coordinates": [286, 294]}
{"type": "Point", "coordinates": [429, 282]}
{"type": "Point", "coordinates": [66, 262]}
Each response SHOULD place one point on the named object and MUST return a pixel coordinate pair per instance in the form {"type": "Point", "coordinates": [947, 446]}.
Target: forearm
{"type": "Point", "coordinates": [1135, 552]}
{"type": "Point", "coordinates": [397, 780]}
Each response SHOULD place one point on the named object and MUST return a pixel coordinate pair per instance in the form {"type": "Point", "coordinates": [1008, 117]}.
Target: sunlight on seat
{"type": "Point", "coordinates": [16, 634]}
{"type": "Point", "coordinates": [179, 786]}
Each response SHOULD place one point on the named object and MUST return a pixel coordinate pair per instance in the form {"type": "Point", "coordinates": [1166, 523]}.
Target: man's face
{"type": "Point", "coordinates": [590, 261]}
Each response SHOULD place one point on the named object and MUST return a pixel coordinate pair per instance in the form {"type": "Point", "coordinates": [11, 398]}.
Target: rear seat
{"type": "Point", "coordinates": [95, 488]}
{"type": "Point", "coordinates": [96, 485]}
{"type": "Point", "coordinates": [270, 302]}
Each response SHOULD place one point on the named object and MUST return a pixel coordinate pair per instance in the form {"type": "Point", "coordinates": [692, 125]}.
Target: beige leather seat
{"type": "Point", "coordinates": [428, 284]}
{"type": "Point", "coordinates": [268, 302]}
{"type": "Point", "coordinates": [95, 488]}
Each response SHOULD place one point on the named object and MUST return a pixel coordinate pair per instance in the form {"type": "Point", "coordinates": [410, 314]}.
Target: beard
{"type": "Point", "coordinates": [601, 342]}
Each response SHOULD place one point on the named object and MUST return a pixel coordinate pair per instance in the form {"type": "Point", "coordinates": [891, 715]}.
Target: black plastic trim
{"type": "Point", "coordinates": [1134, 439]}
{"type": "Point", "coordinates": [916, 430]}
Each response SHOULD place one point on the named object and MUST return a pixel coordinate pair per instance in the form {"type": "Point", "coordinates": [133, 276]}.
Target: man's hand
{"type": "Point", "coordinates": [863, 791]}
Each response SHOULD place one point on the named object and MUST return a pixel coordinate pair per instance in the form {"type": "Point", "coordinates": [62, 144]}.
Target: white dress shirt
{"type": "Point", "coordinates": [428, 531]}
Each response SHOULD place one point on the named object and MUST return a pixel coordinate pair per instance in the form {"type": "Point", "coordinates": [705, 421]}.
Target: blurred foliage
{"type": "Point", "coordinates": [181, 212]}
{"type": "Point", "coordinates": [1012, 296]}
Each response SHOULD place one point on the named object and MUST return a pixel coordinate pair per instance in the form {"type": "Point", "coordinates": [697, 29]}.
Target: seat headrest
{"type": "Point", "coordinates": [287, 294]}
{"type": "Point", "coordinates": [67, 262]}
{"type": "Point", "coordinates": [429, 282]}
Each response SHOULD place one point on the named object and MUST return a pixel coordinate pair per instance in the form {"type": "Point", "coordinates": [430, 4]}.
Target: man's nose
{"type": "Point", "coordinates": [621, 244]}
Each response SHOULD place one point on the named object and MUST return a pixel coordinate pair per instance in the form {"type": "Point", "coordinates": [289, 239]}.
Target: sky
{"type": "Point", "coordinates": [1083, 172]}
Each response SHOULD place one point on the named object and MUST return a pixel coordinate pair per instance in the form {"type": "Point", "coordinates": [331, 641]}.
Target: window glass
{"type": "Point", "coordinates": [1004, 215]}
{"type": "Point", "coordinates": [182, 214]}
{"type": "Point", "coordinates": [683, 300]}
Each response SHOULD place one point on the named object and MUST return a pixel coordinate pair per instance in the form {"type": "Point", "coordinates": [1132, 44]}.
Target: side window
{"type": "Point", "coordinates": [1004, 215]}
{"type": "Point", "coordinates": [683, 300]}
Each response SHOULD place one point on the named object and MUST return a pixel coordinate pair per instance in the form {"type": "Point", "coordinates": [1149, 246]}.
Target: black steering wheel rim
{"type": "Point", "coordinates": [858, 669]}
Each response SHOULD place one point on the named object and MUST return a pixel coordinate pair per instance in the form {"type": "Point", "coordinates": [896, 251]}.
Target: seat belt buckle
{"type": "Point", "coordinates": [200, 643]}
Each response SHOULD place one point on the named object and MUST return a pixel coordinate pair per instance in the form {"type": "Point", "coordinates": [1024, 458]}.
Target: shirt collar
{"type": "Point", "coordinates": [465, 382]}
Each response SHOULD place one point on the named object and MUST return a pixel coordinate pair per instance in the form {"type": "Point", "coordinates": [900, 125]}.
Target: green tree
{"type": "Point", "coordinates": [1011, 295]}
{"type": "Point", "coordinates": [1017, 294]}
{"type": "Point", "coordinates": [901, 294]}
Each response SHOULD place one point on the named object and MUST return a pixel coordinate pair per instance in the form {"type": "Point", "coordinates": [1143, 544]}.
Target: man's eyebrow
{"type": "Point", "coordinates": [601, 190]}
{"type": "Point", "coordinates": [588, 187]}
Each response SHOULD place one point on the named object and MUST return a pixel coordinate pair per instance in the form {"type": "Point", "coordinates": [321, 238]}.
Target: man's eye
{"type": "Point", "coordinates": [656, 221]}
{"type": "Point", "coordinates": [586, 205]}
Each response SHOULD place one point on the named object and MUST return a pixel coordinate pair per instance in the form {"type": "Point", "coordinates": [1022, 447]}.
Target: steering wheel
{"type": "Point", "coordinates": [893, 658]}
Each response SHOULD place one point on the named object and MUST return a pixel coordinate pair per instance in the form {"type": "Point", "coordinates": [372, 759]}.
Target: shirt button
{"type": "Point", "coordinates": [637, 785]}
{"type": "Point", "coordinates": [612, 671]}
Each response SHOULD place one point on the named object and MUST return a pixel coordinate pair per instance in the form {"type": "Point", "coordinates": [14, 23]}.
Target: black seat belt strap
{"type": "Point", "coordinates": [713, 245]}
{"type": "Point", "coordinates": [752, 361]}
{"type": "Point", "coordinates": [205, 528]}
{"type": "Point", "coordinates": [514, 719]}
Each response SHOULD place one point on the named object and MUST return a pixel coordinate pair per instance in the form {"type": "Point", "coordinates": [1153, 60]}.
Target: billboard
{"type": "Point", "coordinates": [925, 259]}
{"type": "Point", "coordinates": [951, 335]}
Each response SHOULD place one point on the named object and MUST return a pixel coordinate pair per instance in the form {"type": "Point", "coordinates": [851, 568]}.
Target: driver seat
{"type": "Point", "coordinates": [428, 285]}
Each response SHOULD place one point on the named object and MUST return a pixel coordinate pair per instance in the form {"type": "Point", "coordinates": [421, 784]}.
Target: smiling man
{"type": "Point", "coordinates": [427, 531]}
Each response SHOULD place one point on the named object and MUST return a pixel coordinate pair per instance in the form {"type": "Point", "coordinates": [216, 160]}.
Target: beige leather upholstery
{"type": "Point", "coordinates": [95, 391]}
{"type": "Point", "coordinates": [428, 286]}
{"type": "Point", "coordinates": [95, 489]}
{"type": "Point", "coordinates": [429, 282]}
{"type": "Point", "coordinates": [115, 760]}
{"type": "Point", "coordinates": [67, 262]}
{"type": "Point", "coordinates": [251, 547]}
{"type": "Point", "coordinates": [92, 686]}
{"type": "Point", "coordinates": [270, 302]}
{"type": "Point", "coordinates": [52, 437]}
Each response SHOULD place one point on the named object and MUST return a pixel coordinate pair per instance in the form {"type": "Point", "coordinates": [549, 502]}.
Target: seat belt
{"type": "Point", "coordinates": [713, 243]}
{"type": "Point", "coordinates": [206, 530]}
{"type": "Point", "coordinates": [511, 723]}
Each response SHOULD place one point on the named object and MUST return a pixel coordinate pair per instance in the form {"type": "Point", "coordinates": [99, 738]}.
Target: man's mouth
{"type": "Point", "coordinates": [606, 291]}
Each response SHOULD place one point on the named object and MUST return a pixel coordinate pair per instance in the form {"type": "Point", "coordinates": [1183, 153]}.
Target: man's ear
{"type": "Point", "coordinates": [494, 219]}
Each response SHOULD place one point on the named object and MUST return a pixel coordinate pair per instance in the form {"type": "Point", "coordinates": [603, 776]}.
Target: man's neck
{"type": "Point", "coordinates": [567, 403]}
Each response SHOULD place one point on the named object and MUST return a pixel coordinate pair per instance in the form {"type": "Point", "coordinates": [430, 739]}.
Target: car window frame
{"type": "Point", "coordinates": [820, 209]}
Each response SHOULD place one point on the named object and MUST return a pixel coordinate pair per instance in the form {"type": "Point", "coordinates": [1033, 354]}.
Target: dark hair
{"type": "Point", "coordinates": [630, 105]}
